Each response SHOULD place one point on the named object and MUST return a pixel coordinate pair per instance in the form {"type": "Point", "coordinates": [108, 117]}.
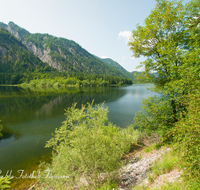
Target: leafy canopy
{"type": "Point", "coordinates": [169, 40]}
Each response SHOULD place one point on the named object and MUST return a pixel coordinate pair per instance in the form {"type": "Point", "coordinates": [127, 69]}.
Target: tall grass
{"type": "Point", "coordinates": [165, 164]}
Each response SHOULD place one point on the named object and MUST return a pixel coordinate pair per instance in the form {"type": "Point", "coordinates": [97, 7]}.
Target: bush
{"type": "Point", "coordinates": [4, 181]}
{"type": "Point", "coordinates": [156, 115]}
{"type": "Point", "coordinates": [70, 81]}
{"type": "Point", "coordinates": [187, 138]}
{"type": "Point", "coordinates": [86, 150]}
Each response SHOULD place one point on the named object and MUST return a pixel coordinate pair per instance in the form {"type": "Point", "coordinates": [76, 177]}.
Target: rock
{"type": "Point", "coordinates": [135, 172]}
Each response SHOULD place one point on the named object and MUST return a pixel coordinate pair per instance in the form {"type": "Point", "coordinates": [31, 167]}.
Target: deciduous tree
{"type": "Point", "coordinates": [169, 40]}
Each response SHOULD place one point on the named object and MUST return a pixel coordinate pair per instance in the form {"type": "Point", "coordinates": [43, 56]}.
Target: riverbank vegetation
{"type": "Point", "coordinates": [91, 154]}
{"type": "Point", "coordinates": [94, 80]}
{"type": "Point", "coordinates": [169, 41]}
{"type": "Point", "coordinates": [88, 151]}
{"type": "Point", "coordinates": [51, 78]}
{"type": "Point", "coordinates": [4, 182]}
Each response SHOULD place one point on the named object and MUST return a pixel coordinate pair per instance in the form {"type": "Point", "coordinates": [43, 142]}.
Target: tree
{"type": "Point", "coordinates": [169, 40]}
{"type": "Point", "coordinates": [186, 133]}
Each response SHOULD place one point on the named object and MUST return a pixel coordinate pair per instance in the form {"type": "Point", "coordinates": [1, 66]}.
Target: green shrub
{"type": "Point", "coordinates": [86, 150]}
{"type": "Point", "coordinates": [85, 83]}
{"type": "Point", "coordinates": [56, 84]}
{"type": "Point", "coordinates": [70, 81]}
{"type": "Point", "coordinates": [187, 137]}
{"type": "Point", "coordinates": [4, 181]}
{"type": "Point", "coordinates": [156, 116]}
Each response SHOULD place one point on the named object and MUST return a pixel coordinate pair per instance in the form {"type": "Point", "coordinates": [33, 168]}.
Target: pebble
{"type": "Point", "coordinates": [135, 172]}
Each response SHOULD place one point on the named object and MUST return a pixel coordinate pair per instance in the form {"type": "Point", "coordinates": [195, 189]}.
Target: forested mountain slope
{"type": "Point", "coordinates": [60, 53]}
{"type": "Point", "coordinates": [116, 65]}
{"type": "Point", "coordinates": [134, 75]}
{"type": "Point", "coordinates": [15, 58]}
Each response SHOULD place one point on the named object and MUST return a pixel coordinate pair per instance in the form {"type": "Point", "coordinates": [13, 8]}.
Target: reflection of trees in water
{"type": "Point", "coordinates": [8, 133]}
{"type": "Point", "coordinates": [19, 104]}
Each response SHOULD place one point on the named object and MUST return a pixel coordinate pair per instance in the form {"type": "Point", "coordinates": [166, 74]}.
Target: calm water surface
{"type": "Point", "coordinates": [30, 116]}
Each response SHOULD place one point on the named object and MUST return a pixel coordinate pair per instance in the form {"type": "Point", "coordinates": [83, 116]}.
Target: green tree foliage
{"type": "Point", "coordinates": [116, 65]}
{"type": "Point", "coordinates": [160, 42]}
{"type": "Point", "coordinates": [156, 115]}
{"type": "Point", "coordinates": [186, 133]}
{"type": "Point", "coordinates": [169, 40]}
{"type": "Point", "coordinates": [87, 150]}
{"type": "Point", "coordinates": [4, 182]}
{"type": "Point", "coordinates": [78, 80]}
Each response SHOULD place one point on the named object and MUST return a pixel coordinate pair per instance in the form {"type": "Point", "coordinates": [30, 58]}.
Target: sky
{"type": "Point", "coordinates": [102, 27]}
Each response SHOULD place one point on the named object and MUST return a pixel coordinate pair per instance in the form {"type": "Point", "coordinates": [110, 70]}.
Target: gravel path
{"type": "Point", "coordinates": [136, 171]}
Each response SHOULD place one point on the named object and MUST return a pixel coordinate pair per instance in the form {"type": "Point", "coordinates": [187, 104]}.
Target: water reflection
{"type": "Point", "coordinates": [123, 110]}
{"type": "Point", "coordinates": [19, 105]}
{"type": "Point", "coordinates": [29, 116]}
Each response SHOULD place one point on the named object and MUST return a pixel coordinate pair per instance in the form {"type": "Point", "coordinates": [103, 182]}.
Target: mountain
{"type": "Point", "coordinates": [16, 58]}
{"type": "Point", "coordinates": [60, 53]}
{"type": "Point", "coordinates": [131, 75]}
{"type": "Point", "coordinates": [116, 65]}
{"type": "Point", "coordinates": [18, 32]}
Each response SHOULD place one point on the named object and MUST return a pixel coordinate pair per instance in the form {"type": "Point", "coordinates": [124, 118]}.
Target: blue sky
{"type": "Point", "coordinates": [102, 27]}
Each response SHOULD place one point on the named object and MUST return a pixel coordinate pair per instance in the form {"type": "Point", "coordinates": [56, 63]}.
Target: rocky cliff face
{"type": "Point", "coordinates": [2, 51]}
{"type": "Point", "coordinates": [16, 58]}
{"type": "Point", "coordinates": [43, 54]}
{"type": "Point", "coordinates": [21, 34]}
{"type": "Point", "coordinates": [13, 32]}
{"type": "Point", "coordinates": [18, 32]}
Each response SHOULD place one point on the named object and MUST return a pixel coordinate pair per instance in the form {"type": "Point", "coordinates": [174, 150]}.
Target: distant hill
{"type": "Point", "coordinates": [60, 53]}
{"type": "Point", "coordinates": [116, 65]}
{"type": "Point", "coordinates": [131, 75]}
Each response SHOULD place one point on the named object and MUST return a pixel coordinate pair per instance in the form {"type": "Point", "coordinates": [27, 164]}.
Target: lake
{"type": "Point", "coordinates": [29, 116]}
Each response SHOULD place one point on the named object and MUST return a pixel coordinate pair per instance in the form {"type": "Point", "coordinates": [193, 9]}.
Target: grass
{"type": "Point", "coordinates": [165, 164]}
{"type": "Point", "coordinates": [180, 185]}
{"type": "Point", "coordinates": [152, 147]}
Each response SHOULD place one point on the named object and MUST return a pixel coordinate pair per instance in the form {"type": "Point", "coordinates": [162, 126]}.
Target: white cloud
{"type": "Point", "coordinates": [123, 57]}
{"type": "Point", "coordinates": [104, 57]}
{"type": "Point", "coordinates": [132, 57]}
{"type": "Point", "coordinates": [125, 34]}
